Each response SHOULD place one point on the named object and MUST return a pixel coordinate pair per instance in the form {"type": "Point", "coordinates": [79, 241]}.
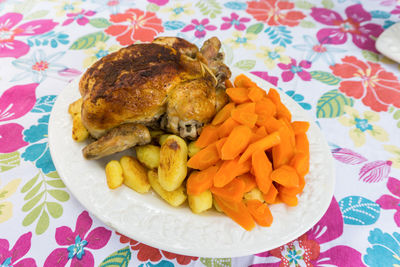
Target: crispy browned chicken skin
{"type": "Point", "coordinates": [166, 84]}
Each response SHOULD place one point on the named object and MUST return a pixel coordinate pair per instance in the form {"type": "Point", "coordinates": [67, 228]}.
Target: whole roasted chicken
{"type": "Point", "coordinates": [168, 84]}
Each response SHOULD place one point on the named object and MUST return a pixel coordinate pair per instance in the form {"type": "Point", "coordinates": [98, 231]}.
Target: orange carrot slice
{"type": "Point", "coordinates": [285, 175]}
{"type": "Point", "coordinates": [205, 158]}
{"type": "Point", "coordinates": [237, 211]}
{"type": "Point", "coordinates": [300, 127]}
{"type": "Point", "coordinates": [208, 135]}
{"type": "Point", "coordinates": [258, 134]}
{"type": "Point", "coordinates": [271, 195]}
{"type": "Point", "coordinates": [284, 151]}
{"type": "Point", "coordinates": [302, 144]}
{"type": "Point", "coordinates": [228, 83]}
{"type": "Point", "coordinates": [263, 144]}
{"type": "Point", "coordinates": [256, 93]}
{"type": "Point", "coordinates": [281, 109]}
{"type": "Point", "coordinates": [226, 127]}
{"type": "Point", "coordinates": [223, 114]}
{"type": "Point", "coordinates": [237, 142]}
{"type": "Point", "coordinates": [265, 106]}
{"type": "Point", "coordinates": [229, 170]}
{"type": "Point", "coordinates": [260, 212]}
{"type": "Point", "coordinates": [290, 200]}
{"type": "Point", "coordinates": [289, 128]}
{"type": "Point", "coordinates": [271, 124]}
{"type": "Point", "coordinates": [198, 182]}
{"type": "Point", "coordinates": [300, 162]}
{"type": "Point", "coordinates": [243, 81]}
{"type": "Point", "coordinates": [238, 94]}
{"type": "Point", "coordinates": [249, 181]}
{"type": "Point", "coordinates": [262, 170]}
{"type": "Point", "coordinates": [219, 145]}
{"type": "Point", "coordinates": [233, 191]}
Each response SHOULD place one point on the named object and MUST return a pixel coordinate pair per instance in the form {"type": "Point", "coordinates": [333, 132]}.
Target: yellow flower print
{"type": "Point", "coordinates": [360, 125]}
{"type": "Point", "coordinates": [178, 10]}
{"type": "Point", "coordinates": [100, 50]}
{"type": "Point", "coordinates": [67, 6]}
{"type": "Point", "coordinates": [5, 206]}
{"type": "Point", "coordinates": [274, 55]}
{"type": "Point", "coordinates": [241, 39]}
{"type": "Point", "coordinates": [396, 155]}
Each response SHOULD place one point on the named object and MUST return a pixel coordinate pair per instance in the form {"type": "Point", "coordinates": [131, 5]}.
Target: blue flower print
{"type": "Point", "coordinates": [51, 38]}
{"type": "Point", "coordinates": [385, 249]}
{"type": "Point", "coordinates": [38, 152]}
{"type": "Point", "coordinates": [77, 249]}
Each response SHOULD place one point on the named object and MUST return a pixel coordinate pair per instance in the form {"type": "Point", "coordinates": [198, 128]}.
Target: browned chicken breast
{"type": "Point", "coordinates": [166, 84]}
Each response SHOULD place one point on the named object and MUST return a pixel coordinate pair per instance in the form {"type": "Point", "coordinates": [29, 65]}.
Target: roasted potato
{"type": "Point", "coordinates": [193, 149]}
{"type": "Point", "coordinates": [174, 198]}
{"type": "Point", "coordinates": [149, 155]}
{"type": "Point", "coordinates": [254, 193]}
{"type": "Point", "coordinates": [201, 202]}
{"type": "Point", "coordinates": [135, 174]}
{"type": "Point", "coordinates": [79, 132]}
{"type": "Point", "coordinates": [114, 174]}
{"type": "Point", "coordinates": [162, 138]}
{"type": "Point", "coordinates": [75, 108]}
{"type": "Point", "coordinates": [216, 206]}
{"type": "Point", "coordinates": [173, 163]}
{"type": "Point", "coordinates": [156, 134]}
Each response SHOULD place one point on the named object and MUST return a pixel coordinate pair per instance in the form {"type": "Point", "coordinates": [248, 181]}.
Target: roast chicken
{"type": "Point", "coordinates": [168, 84]}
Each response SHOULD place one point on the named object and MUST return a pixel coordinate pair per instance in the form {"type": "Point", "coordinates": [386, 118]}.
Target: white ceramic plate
{"type": "Point", "coordinates": [388, 43]}
{"type": "Point", "coordinates": [148, 219]}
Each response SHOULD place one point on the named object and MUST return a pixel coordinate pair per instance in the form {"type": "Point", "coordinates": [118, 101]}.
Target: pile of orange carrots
{"type": "Point", "coordinates": [251, 142]}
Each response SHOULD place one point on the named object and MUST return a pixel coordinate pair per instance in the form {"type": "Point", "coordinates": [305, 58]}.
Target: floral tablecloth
{"type": "Point", "coordinates": [319, 52]}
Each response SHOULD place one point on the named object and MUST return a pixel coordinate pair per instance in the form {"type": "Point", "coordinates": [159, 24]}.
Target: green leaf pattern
{"type": "Point", "coordinates": [331, 104]}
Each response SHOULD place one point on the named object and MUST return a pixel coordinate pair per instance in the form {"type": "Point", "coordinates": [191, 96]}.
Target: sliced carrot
{"type": "Point", "coordinates": [249, 181]}
{"type": "Point", "coordinates": [289, 128]}
{"type": "Point", "coordinates": [244, 117]}
{"type": "Point", "coordinates": [208, 135]}
{"type": "Point", "coordinates": [300, 162]}
{"type": "Point", "coordinates": [265, 106]}
{"type": "Point", "coordinates": [260, 212]}
{"type": "Point", "coordinates": [226, 127]}
{"type": "Point", "coordinates": [236, 143]}
{"type": "Point", "coordinates": [289, 200]}
{"type": "Point", "coordinates": [262, 170]}
{"type": "Point", "coordinates": [302, 144]}
{"type": "Point", "coordinates": [219, 145]}
{"type": "Point", "coordinates": [300, 126]}
{"type": "Point", "coordinates": [258, 134]}
{"type": "Point", "coordinates": [271, 124]}
{"type": "Point", "coordinates": [263, 144]}
{"type": "Point", "coordinates": [229, 170]}
{"type": "Point", "coordinates": [223, 114]}
{"type": "Point", "coordinates": [274, 96]}
{"type": "Point", "coordinates": [256, 93]}
{"type": "Point", "coordinates": [238, 94]}
{"type": "Point", "coordinates": [284, 151]}
{"type": "Point", "coordinates": [205, 158]}
{"type": "Point", "coordinates": [233, 191]}
{"type": "Point", "coordinates": [270, 196]}
{"type": "Point", "coordinates": [285, 175]}
{"type": "Point", "coordinates": [237, 211]}
{"type": "Point", "coordinates": [243, 81]}
{"type": "Point", "coordinates": [281, 109]}
{"type": "Point", "coordinates": [198, 182]}
{"type": "Point", "coordinates": [228, 83]}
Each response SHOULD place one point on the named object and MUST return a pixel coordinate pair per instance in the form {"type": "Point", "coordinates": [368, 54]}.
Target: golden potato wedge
{"type": "Point", "coordinates": [135, 174]}
{"type": "Point", "coordinates": [149, 155]}
{"type": "Point", "coordinates": [162, 138]}
{"type": "Point", "coordinates": [114, 174]}
{"type": "Point", "coordinates": [174, 198]}
{"type": "Point", "coordinates": [79, 132]}
{"type": "Point", "coordinates": [216, 206]}
{"type": "Point", "coordinates": [200, 203]}
{"type": "Point", "coordinates": [254, 193]}
{"type": "Point", "coordinates": [75, 108]}
{"type": "Point", "coordinates": [173, 163]}
{"type": "Point", "coordinates": [193, 149]}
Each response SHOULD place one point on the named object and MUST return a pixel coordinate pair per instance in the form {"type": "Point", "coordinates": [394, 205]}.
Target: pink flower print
{"type": "Point", "coordinates": [78, 243]}
{"type": "Point", "coordinates": [13, 257]}
{"type": "Point", "coordinates": [9, 46]}
{"type": "Point", "coordinates": [396, 10]}
{"type": "Point", "coordinates": [375, 171]}
{"type": "Point", "coordinates": [389, 202]}
{"type": "Point", "coordinates": [292, 68]}
{"type": "Point", "coordinates": [200, 27]}
{"type": "Point", "coordinates": [234, 20]}
{"type": "Point", "coordinates": [80, 17]}
{"type": "Point", "coordinates": [308, 249]}
{"type": "Point", "coordinates": [363, 34]}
